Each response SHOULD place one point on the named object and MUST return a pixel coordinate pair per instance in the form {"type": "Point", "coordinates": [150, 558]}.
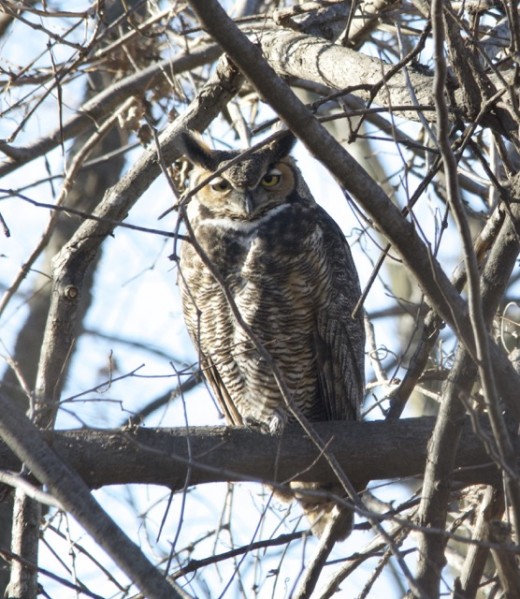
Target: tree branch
{"type": "Point", "coordinates": [296, 55]}
{"type": "Point", "coordinates": [365, 450]}
{"type": "Point", "coordinates": [26, 441]}
{"type": "Point", "coordinates": [491, 507]}
{"type": "Point", "coordinates": [106, 102]}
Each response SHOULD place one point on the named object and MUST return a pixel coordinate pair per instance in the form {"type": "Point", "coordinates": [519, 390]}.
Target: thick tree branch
{"type": "Point", "coordinates": [365, 450]}
{"type": "Point", "coordinates": [296, 55]}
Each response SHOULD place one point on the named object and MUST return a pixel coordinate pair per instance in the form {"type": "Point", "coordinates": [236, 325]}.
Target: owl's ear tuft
{"type": "Point", "coordinates": [282, 146]}
{"type": "Point", "coordinates": [196, 151]}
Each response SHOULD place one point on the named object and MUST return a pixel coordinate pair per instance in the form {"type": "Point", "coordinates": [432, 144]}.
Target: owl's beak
{"type": "Point", "coordinates": [249, 205]}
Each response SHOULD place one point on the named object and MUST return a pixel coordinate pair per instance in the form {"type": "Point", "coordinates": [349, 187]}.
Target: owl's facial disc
{"type": "Point", "coordinates": [230, 197]}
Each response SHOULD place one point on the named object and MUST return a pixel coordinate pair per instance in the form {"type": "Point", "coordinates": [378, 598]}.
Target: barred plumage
{"type": "Point", "coordinates": [288, 269]}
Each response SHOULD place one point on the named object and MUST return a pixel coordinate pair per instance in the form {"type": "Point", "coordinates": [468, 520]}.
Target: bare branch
{"type": "Point", "coordinates": [369, 450]}
{"type": "Point", "coordinates": [491, 507]}
{"type": "Point", "coordinates": [101, 106]}
{"type": "Point", "coordinates": [19, 482]}
{"type": "Point", "coordinates": [301, 56]}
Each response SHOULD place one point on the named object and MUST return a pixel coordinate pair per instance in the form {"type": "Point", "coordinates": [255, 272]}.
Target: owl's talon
{"type": "Point", "coordinates": [277, 424]}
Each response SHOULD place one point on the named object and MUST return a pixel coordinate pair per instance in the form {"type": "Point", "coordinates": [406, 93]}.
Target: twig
{"type": "Point", "coordinates": [398, 533]}
{"type": "Point", "coordinates": [10, 557]}
{"type": "Point", "coordinates": [18, 481]}
{"type": "Point", "coordinates": [491, 505]}
{"type": "Point", "coordinates": [195, 564]}
{"type": "Point", "coordinates": [106, 101]}
{"type": "Point", "coordinates": [74, 167]}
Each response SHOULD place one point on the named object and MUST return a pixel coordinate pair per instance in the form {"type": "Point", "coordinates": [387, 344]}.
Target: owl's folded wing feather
{"type": "Point", "coordinates": [225, 403]}
{"type": "Point", "coordinates": [339, 338]}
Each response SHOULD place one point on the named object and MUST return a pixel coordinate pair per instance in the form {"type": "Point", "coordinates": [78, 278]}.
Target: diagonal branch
{"type": "Point", "coordinates": [26, 441]}
{"type": "Point", "coordinates": [300, 56]}
{"type": "Point", "coordinates": [402, 234]}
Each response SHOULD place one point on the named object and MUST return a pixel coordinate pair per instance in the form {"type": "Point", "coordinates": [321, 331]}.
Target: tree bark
{"type": "Point", "coordinates": [365, 450]}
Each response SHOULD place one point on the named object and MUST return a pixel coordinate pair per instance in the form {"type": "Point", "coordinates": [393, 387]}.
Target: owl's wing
{"type": "Point", "coordinates": [339, 338]}
{"type": "Point", "coordinates": [222, 395]}
{"type": "Point", "coordinates": [191, 279]}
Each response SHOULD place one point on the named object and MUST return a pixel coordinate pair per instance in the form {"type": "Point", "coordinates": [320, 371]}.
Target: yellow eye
{"type": "Point", "coordinates": [271, 179]}
{"type": "Point", "coordinates": [220, 185]}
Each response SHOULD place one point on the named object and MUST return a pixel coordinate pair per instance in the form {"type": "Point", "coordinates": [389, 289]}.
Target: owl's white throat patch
{"type": "Point", "coordinates": [244, 226]}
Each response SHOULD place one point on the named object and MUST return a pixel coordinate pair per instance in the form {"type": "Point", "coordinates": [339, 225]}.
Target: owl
{"type": "Point", "coordinates": [266, 265]}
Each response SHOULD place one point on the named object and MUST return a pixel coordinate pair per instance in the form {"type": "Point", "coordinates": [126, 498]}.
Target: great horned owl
{"type": "Point", "coordinates": [288, 272]}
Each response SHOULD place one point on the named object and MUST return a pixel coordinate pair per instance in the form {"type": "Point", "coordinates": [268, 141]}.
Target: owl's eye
{"type": "Point", "coordinates": [220, 185]}
{"type": "Point", "coordinates": [271, 179]}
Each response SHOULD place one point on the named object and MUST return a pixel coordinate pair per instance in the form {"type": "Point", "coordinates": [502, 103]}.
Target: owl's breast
{"type": "Point", "coordinates": [241, 248]}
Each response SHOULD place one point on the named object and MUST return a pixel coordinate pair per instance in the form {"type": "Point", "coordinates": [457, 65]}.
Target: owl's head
{"type": "Point", "coordinates": [248, 188]}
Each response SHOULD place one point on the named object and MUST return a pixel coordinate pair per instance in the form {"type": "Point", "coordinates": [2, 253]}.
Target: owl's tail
{"type": "Point", "coordinates": [330, 522]}
{"type": "Point", "coordinates": [324, 514]}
